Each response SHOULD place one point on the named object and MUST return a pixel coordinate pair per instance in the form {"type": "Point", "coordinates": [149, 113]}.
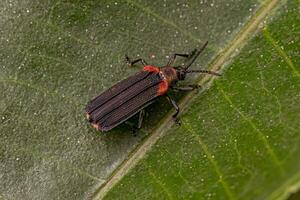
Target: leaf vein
{"type": "Point", "coordinates": [62, 162]}
{"type": "Point", "coordinates": [180, 169]}
{"type": "Point", "coordinates": [37, 88]}
{"type": "Point", "coordinates": [280, 51]}
{"type": "Point", "coordinates": [164, 20]}
{"type": "Point", "coordinates": [70, 34]}
{"type": "Point", "coordinates": [251, 123]}
{"type": "Point", "coordinates": [204, 147]}
{"type": "Point", "coordinates": [160, 184]}
{"type": "Point", "coordinates": [59, 60]}
{"type": "Point", "coordinates": [278, 103]}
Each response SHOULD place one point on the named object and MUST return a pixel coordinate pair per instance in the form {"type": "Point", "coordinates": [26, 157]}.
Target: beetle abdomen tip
{"type": "Point", "coordinates": [96, 126]}
{"type": "Point", "coordinates": [88, 117]}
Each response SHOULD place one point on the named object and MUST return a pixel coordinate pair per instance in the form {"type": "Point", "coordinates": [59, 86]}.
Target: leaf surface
{"type": "Point", "coordinates": [57, 55]}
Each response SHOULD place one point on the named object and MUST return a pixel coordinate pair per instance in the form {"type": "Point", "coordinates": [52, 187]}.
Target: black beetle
{"type": "Point", "coordinates": [131, 95]}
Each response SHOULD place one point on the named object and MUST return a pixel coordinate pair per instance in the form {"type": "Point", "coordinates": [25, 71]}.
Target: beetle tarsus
{"type": "Point", "coordinates": [131, 63]}
{"type": "Point", "coordinates": [127, 60]}
{"type": "Point", "coordinates": [173, 58]}
{"type": "Point", "coordinates": [134, 128]}
{"type": "Point", "coordinates": [177, 121]}
{"type": "Point", "coordinates": [134, 131]}
{"type": "Point", "coordinates": [174, 104]}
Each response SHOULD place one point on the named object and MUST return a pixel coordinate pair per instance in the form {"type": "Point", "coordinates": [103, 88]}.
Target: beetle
{"type": "Point", "coordinates": [131, 95]}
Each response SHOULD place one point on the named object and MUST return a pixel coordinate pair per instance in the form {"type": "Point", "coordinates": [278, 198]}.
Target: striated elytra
{"type": "Point", "coordinates": [131, 95]}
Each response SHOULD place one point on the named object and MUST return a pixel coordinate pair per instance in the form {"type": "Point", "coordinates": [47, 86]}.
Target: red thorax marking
{"type": "Point", "coordinates": [151, 68]}
{"type": "Point", "coordinates": [163, 85]}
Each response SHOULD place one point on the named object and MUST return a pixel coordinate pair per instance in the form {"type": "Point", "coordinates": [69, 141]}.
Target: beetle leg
{"type": "Point", "coordinates": [186, 88]}
{"type": "Point", "coordinates": [141, 117]}
{"type": "Point", "coordinates": [174, 104]}
{"type": "Point", "coordinates": [136, 128]}
{"type": "Point", "coordinates": [132, 62]}
{"type": "Point", "coordinates": [173, 58]}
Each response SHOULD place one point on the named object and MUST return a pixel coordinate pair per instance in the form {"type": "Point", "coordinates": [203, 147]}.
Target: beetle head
{"type": "Point", "coordinates": [181, 73]}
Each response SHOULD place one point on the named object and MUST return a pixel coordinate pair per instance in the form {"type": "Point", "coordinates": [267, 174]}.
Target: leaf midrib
{"type": "Point", "coordinates": [217, 64]}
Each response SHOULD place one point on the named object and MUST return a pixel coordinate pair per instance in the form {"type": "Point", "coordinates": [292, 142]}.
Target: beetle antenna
{"type": "Point", "coordinates": [203, 71]}
{"type": "Point", "coordinates": [198, 52]}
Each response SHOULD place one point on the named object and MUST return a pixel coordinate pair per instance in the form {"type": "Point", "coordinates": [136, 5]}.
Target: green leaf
{"type": "Point", "coordinates": [240, 138]}
{"type": "Point", "coordinates": [56, 55]}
